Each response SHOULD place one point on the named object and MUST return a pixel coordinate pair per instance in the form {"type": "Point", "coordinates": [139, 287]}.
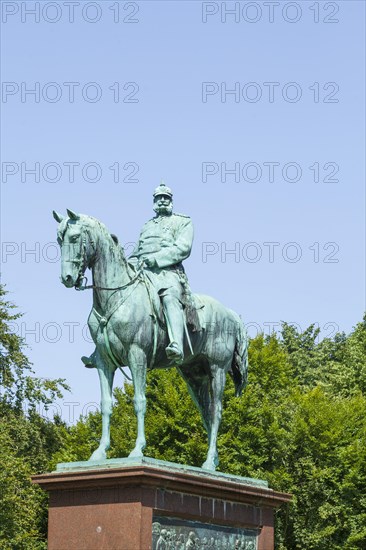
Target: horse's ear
{"type": "Point", "coordinates": [57, 216]}
{"type": "Point", "coordinates": [115, 238]}
{"type": "Point", "coordinates": [72, 215]}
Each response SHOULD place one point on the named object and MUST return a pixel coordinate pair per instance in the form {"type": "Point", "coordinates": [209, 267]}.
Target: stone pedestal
{"type": "Point", "coordinates": [142, 504]}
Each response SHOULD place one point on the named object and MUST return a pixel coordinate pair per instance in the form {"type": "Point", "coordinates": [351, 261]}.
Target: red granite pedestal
{"type": "Point", "coordinates": [114, 508]}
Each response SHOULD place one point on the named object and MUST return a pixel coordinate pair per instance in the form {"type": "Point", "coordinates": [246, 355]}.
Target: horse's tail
{"type": "Point", "coordinates": [239, 365]}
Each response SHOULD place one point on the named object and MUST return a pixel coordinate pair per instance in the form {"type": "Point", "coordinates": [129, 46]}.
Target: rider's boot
{"type": "Point", "coordinates": [173, 312]}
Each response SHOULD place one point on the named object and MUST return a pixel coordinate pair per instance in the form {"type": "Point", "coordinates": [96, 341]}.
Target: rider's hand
{"type": "Point", "coordinates": [150, 262]}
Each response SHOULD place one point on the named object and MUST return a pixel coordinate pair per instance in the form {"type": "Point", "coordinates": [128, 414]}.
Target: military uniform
{"type": "Point", "coordinates": [165, 241]}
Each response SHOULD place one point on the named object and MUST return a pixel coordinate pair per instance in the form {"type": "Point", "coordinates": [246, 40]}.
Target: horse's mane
{"type": "Point", "coordinates": [96, 225]}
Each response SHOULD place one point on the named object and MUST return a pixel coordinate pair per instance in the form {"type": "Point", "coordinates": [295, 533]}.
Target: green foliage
{"type": "Point", "coordinates": [18, 386]}
{"type": "Point", "coordinates": [324, 462]}
{"type": "Point", "coordinates": [79, 441]}
{"type": "Point", "coordinates": [27, 440]}
{"type": "Point", "coordinates": [22, 505]}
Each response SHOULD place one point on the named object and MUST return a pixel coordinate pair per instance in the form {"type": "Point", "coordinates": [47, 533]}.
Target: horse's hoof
{"type": "Point", "coordinates": [98, 455]}
{"type": "Point", "coordinates": [208, 465]}
{"type": "Point", "coordinates": [136, 453]}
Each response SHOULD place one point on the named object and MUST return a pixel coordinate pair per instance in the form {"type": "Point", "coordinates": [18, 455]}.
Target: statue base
{"type": "Point", "coordinates": [147, 504]}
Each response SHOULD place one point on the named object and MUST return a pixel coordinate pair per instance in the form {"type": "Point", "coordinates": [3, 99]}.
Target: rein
{"type": "Point", "coordinates": [94, 287]}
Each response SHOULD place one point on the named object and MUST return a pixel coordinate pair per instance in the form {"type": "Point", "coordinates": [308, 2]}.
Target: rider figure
{"type": "Point", "coordinates": [165, 241]}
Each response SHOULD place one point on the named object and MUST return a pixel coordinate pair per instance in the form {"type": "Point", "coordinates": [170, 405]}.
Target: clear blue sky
{"type": "Point", "coordinates": [168, 124]}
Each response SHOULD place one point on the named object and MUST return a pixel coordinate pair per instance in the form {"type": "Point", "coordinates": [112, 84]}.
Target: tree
{"type": "Point", "coordinates": [27, 440]}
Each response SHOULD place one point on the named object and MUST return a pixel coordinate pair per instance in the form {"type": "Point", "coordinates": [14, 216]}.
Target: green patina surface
{"type": "Point", "coordinates": [138, 317]}
{"type": "Point", "coordinates": [146, 461]}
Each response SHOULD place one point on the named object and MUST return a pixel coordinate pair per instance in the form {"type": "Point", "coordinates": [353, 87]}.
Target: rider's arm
{"type": "Point", "coordinates": [178, 249]}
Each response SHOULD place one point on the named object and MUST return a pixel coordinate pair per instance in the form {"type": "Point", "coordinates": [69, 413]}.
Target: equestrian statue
{"type": "Point", "coordinates": [144, 316]}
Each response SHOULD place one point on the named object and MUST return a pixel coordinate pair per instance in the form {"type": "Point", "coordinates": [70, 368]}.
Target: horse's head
{"type": "Point", "coordinates": [76, 244]}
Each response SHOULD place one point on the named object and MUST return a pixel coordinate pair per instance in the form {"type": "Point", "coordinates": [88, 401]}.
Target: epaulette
{"type": "Point", "coordinates": [181, 215]}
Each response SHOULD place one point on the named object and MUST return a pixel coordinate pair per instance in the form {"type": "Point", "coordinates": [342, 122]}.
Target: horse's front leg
{"type": "Point", "coordinates": [106, 376]}
{"type": "Point", "coordinates": [138, 367]}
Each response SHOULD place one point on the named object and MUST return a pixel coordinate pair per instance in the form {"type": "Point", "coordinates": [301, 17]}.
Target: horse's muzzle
{"type": "Point", "coordinates": [68, 281]}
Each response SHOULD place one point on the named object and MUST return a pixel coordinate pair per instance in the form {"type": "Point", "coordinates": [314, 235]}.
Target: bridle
{"type": "Point", "coordinates": [81, 277]}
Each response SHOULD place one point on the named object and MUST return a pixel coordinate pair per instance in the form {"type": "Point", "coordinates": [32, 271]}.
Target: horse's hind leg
{"type": "Point", "coordinates": [199, 388]}
{"type": "Point", "coordinates": [215, 412]}
{"type": "Point", "coordinates": [106, 376]}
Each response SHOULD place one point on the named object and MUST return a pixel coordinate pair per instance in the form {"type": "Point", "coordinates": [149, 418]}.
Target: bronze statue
{"type": "Point", "coordinates": [166, 241]}
{"type": "Point", "coordinates": [137, 317]}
